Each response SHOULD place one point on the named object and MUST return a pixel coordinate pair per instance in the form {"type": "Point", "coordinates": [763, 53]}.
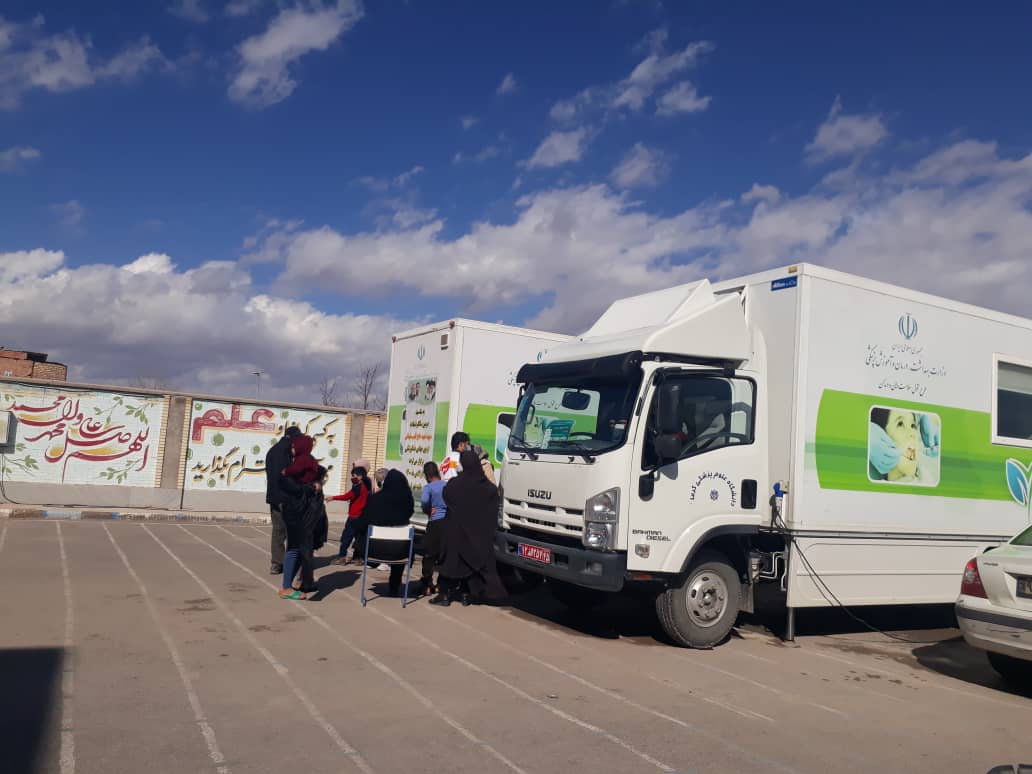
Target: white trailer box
{"type": "Point", "coordinates": [450, 376]}
{"type": "Point", "coordinates": [900, 425]}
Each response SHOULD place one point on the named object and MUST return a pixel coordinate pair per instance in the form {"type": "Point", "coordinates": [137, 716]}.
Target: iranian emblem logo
{"type": "Point", "coordinates": [714, 495]}
{"type": "Point", "coordinates": [908, 326]}
{"type": "Point", "coordinates": [1019, 482]}
{"type": "Point", "coordinates": [421, 352]}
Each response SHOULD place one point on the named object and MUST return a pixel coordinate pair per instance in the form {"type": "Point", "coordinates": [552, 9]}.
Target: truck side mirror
{"type": "Point", "coordinates": [507, 420]}
{"type": "Point", "coordinates": [667, 448]}
{"type": "Point", "coordinates": [668, 405]}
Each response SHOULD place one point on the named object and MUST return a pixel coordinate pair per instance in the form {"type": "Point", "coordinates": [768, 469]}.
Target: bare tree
{"type": "Point", "coordinates": [328, 392]}
{"type": "Point", "coordinates": [367, 388]}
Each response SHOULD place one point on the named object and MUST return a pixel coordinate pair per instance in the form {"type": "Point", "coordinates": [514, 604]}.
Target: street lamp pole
{"type": "Point", "coordinates": [258, 376]}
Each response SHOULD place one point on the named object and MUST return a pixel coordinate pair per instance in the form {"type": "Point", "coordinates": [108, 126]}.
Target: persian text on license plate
{"type": "Point", "coordinates": [536, 553]}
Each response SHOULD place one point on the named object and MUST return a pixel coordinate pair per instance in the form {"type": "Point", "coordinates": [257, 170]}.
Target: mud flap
{"type": "Point", "coordinates": [745, 602]}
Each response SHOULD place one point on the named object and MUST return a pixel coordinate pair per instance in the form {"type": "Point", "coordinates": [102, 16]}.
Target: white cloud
{"type": "Point", "coordinates": [12, 158]}
{"type": "Point", "coordinates": [923, 227]}
{"type": "Point", "coordinates": [384, 184]}
{"type": "Point", "coordinates": [845, 135]}
{"type": "Point", "coordinates": [683, 98]}
{"type": "Point", "coordinates": [655, 70]}
{"type": "Point", "coordinates": [642, 167]}
{"type": "Point", "coordinates": [117, 323]}
{"type": "Point", "coordinates": [236, 8]}
{"type": "Point", "coordinates": [190, 10]}
{"type": "Point", "coordinates": [560, 148]}
{"type": "Point", "coordinates": [264, 72]}
{"type": "Point", "coordinates": [70, 214]}
{"type": "Point", "coordinates": [30, 60]}
{"type": "Point", "coordinates": [20, 264]}
{"type": "Point", "coordinates": [468, 122]}
{"type": "Point", "coordinates": [762, 193]}
{"type": "Point", "coordinates": [633, 92]}
{"type": "Point", "coordinates": [484, 154]}
{"type": "Point", "coordinates": [508, 84]}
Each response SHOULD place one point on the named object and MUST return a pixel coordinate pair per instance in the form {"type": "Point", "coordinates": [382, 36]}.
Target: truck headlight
{"type": "Point", "coordinates": [601, 514]}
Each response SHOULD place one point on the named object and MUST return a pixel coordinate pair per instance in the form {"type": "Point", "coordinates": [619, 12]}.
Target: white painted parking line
{"type": "Point", "coordinates": [371, 659]}
{"type": "Point", "coordinates": [483, 672]}
{"type": "Point", "coordinates": [760, 760]}
{"type": "Point", "coordinates": [207, 732]}
{"type": "Point", "coordinates": [278, 667]}
{"type": "Point", "coordinates": [745, 713]}
{"type": "Point", "coordinates": [68, 667]}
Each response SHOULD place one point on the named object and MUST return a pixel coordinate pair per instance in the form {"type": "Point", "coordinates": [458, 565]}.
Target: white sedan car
{"type": "Point", "coordinates": [995, 607]}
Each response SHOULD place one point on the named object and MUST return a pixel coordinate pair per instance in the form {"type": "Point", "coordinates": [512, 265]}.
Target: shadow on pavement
{"type": "Point", "coordinates": [956, 659]}
{"type": "Point", "coordinates": [28, 706]}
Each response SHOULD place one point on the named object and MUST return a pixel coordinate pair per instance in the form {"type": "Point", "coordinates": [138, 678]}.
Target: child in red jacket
{"type": "Point", "coordinates": [357, 497]}
{"type": "Point", "coordinates": [304, 469]}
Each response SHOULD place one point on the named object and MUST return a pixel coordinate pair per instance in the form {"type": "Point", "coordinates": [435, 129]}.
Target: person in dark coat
{"type": "Point", "coordinates": [392, 506]}
{"type": "Point", "coordinates": [277, 459]}
{"type": "Point", "coordinates": [468, 544]}
{"type": "Point", "coordinates": [304, 513]}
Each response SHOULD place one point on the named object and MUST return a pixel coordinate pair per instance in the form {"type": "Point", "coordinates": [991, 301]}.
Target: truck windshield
{"type": "Point", "coordinates": [586, 417]}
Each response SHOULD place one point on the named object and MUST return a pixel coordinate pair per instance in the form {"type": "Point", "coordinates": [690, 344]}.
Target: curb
{"type": "Point", "coordinates": [74, 514]}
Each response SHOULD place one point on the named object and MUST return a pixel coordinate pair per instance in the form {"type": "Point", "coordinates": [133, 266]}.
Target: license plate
{"type": "Point", "coordinates": [535, 553]}
{"type": "Point", "coordinates": [1025, 587]}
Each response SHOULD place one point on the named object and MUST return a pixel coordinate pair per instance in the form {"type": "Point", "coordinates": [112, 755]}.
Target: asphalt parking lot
{"type": "Point", "coordinates": [130, 647]}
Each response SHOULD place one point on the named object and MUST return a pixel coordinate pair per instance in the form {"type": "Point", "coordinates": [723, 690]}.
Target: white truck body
{"type": "Point", "coordinates": [449, 376]}
{"type": "Point", "coordinates": [794, 366]}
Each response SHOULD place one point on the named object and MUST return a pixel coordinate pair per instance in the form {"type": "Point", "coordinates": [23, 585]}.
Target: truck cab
{"type": "Point", "coordinates": [638, 455]}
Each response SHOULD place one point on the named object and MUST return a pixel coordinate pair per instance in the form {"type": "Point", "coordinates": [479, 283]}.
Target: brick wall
{"type": "Point", "coordinates": [21, 365]}
{"type": "Point", "coordinates": [54, 372]}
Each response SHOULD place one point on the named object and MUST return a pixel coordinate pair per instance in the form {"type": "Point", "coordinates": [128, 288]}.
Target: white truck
{"type": "Point", "coordinates": [851, 441]}
{"type": "Point", "coordinates": [449, 376]}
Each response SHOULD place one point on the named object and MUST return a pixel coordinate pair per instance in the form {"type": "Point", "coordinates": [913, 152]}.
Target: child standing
{"type": "Point", "coordinates": [357, 498]}
{"type": "Point", "coordinates": [433, 504]}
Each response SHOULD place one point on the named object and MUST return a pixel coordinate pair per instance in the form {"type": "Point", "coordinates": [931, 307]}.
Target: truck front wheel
{"type": "Point", "coordinates": [575, 597]}
{"type": "Point", "coordinates": [700, 611]}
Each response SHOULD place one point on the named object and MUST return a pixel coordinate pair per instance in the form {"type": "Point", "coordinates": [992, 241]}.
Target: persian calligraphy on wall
{"type": "Point", "coordinates": [228, 442]}
{"type": "Point", "coordinates": [70, 436]}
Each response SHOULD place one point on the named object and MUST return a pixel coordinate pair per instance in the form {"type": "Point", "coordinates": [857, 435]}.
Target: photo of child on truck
{"type": "Point", "coordinates": [903, 446]}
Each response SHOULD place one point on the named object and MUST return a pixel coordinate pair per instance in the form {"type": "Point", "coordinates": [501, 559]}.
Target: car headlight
{"type": "Point", "coordinates": [601, 514]}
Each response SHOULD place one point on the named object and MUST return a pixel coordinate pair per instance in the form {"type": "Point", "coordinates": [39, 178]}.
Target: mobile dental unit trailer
{"type": "Point", "coordinates": [455, 375]}
{"type": "Point", "coordinates": [852, 441]}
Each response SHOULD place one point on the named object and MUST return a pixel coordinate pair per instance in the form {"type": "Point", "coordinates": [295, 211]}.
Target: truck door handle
{"type": "Point", "coordinates": [749, 494]}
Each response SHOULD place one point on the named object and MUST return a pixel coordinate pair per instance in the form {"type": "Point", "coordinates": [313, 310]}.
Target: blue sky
{"type": "Point", "coordinates": [285, 182]}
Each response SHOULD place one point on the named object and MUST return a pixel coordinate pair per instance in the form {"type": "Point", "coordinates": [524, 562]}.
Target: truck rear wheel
{"type": "Point", "coordinates": [700, 612]}
{"type": "Point", "coordinates": [575, 597]}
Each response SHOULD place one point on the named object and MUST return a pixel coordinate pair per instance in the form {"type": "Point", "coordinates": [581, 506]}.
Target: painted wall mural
{"type": "Point", "coordinates": [68, 436]}
{"type": "Point", "coordinates": [228, 442]}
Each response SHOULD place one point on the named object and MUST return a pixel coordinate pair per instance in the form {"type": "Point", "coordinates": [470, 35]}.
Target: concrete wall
{"type": "Point", "coordinates": [85, 445]}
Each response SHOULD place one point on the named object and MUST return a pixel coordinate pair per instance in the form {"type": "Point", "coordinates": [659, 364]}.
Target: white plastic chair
{"type": "Point", "coordinates": [390, 549]}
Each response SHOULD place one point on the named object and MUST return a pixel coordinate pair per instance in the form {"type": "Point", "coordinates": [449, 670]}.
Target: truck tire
{"type": "Point", "coordinates": [517, 580]}
{"type": "Point", "coordinates": [1013, 670]}
{"type": "Point", "coordinates": [700, 611]}
{"type": "Point", "coordinates": [575, 597]}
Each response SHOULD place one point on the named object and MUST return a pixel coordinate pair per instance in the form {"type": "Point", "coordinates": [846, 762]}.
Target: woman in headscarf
{"type": "Point", "coordinates": [468, 545]}
{"type": "Point", "coordinates": [392, 506]}
{"type": "Point", "coordinates": [304, 514]}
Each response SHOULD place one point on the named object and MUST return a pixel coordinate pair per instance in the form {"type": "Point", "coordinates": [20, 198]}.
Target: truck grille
{"type": "Point", "coordinates": [546, 518]}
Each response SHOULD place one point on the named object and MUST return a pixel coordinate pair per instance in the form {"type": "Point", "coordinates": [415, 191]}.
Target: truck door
{"type": "Point", "coordinates": [707, 472]}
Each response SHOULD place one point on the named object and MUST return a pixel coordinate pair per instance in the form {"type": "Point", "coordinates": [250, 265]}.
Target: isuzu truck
{"type": "Point", "coordinates": [853, 442]}
{"type": "Point", "coordinates": [454, 375]}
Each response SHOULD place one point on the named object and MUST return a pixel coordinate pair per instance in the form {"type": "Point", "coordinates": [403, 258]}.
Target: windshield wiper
{"type": "Point", "coordinates": [582, 452]}
{"type": "Point", "coordinates": [521, 446]}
